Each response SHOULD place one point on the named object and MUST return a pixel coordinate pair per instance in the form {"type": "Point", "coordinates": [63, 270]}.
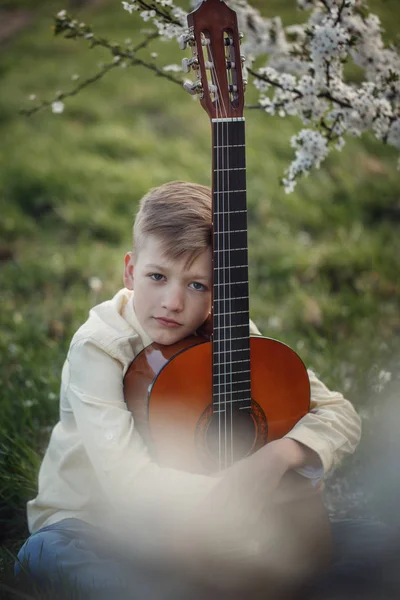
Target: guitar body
{"type": "Point", "coordinates": [168, 389]}
{"type": "Point", "coordinates": [169, 392]}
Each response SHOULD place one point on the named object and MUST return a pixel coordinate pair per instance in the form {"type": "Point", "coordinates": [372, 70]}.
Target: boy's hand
{"type": "Point", "coordinates": [264, 478]}
{"type": "Point", "coordinates": [236, 528]}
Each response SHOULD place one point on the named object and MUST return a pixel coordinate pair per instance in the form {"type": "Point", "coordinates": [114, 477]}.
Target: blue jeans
{"type": "Point", "coordinates": [66, 552]}
{"type": "Point", "coordinates": [365, 563]}
{"type": "Point", "coordinates": [70, 556]}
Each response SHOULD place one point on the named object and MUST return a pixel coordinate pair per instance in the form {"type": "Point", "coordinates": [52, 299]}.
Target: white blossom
{"type": "Point", "coordinates": [311, 148]}
{"type": "Point", "coordinates": [57, 107]}
{"type": "Point", "coordinates": [129, 6]}
{"type": "Point", "coordinates": [95, 284]}
{"type": "Point", "coordinates": [383, 378]}
{"type": "Point", "coordinates": [28, 403]}
{"type": "Point", "coordinates": [148, 14]}
{"type": "Point", "coordinates": [173, 68]}
{"type": "Point", "coordinates": [394, 134]}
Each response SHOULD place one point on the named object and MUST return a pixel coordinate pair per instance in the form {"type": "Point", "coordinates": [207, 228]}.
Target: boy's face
{"type": "Point", "coordinates": [171, 299]}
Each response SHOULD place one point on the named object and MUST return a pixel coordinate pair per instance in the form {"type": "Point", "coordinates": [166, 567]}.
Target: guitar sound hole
{"type": "Point", "coordinates": [230, 437]}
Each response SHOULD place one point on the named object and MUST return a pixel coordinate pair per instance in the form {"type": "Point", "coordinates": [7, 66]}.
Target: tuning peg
{"type": "Point", "coordinates": [241, 35]}
{"type": "Point", "coordinates": [193, 88]}
{"type": "Point", "coordinates": [185, 39]}
{"type": "Point", "coordinates": [189, 62]}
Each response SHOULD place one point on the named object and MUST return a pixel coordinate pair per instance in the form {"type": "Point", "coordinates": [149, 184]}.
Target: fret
{"type": "Point", "coordinates": [230, 267]}
{"type": "Point", "coordinates": [225, 353]}
{"type": "Point", "coordinates": [233, 312]}
{"type": "Point", "coordinates": [228, 146]}
{"type": "Point", "coordinates": [231, 249]}
{"type": "Point", "coordinates": [236, 350]}
{"type": "Point", "coordinates": [243, 357]}
{"type": "Point", "coordinates": [222, 340]}
{"type": "Point", "coordinates": [231, 212]}
{"type": "Point", "coordinates": [217, 412]}
{"type": "Point", "coordinates": [238, 325]}
{"type": "Point", "coordinates": [248, 391]}
{"type": "Point", "coordinates": [243, 381]}
{"type": "Point", "coordinates": [235, 282]}
{"type": "Point", "coordinates": [232, 231]}
{"type": "Point", "coordinates": [231, 362]}
{"type": "Point", "coordinates": [231, 300]}
{"type": "Point", "coordinates": [230, 169]}
{"type": "Point", "coordinates": [228, 192]}
{"type": "Point", "coordinates": [224, 386]}
{"type": "Point", "coordinates": [229, 401]}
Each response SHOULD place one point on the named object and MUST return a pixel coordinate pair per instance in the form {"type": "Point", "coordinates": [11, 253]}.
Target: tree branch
{"type": "Point", "coordinates": [297, 93]}
{"type": "Point", "coordinates": [328, 8]}
{"type": "Point", "coordinates": [341, 8]}
{"type": "Point", "coordinates": [82, 31]}
{"type": "Point", "coordinates": [76, 90]}
{"type": "Point", "coordinates": [163, 14]}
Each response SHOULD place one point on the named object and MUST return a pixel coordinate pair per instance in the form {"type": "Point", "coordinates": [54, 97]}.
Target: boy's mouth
{"type": "Point", "coordinates": [167, 322]}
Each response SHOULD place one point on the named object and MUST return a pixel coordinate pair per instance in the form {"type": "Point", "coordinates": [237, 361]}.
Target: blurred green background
{"type": "Point", "coordinates": [324, 261]}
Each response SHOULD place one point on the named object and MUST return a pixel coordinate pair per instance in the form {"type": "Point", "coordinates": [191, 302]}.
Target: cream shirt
{"type": "Point", "coordinates": [96, 457]}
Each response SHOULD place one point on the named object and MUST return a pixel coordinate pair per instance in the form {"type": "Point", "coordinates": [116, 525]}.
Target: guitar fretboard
{"type": "Point", "coordinates": [231, 350]}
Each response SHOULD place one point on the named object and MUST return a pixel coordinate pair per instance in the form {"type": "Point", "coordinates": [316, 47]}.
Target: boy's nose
{"type": "Point", "coordinates": [174, 300]}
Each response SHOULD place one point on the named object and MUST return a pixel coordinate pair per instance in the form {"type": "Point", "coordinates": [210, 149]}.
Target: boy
{"type": "Point", "coordinates": [96, 465]}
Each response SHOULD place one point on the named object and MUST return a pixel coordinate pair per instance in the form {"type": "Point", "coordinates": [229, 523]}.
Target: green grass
{"type": "Point", "coordinates": [323, 261]}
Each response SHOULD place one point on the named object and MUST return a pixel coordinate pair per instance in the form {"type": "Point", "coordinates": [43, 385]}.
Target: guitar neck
{"type": "Point", "coordinates": [231, 353]}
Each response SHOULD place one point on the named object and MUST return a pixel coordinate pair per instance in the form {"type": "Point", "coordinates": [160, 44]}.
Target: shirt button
{"type": "Point", "coordinates": [109, 436]}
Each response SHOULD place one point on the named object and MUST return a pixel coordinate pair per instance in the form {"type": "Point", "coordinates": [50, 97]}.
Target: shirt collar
{"type": "Point", "coordinates": [128, 313]}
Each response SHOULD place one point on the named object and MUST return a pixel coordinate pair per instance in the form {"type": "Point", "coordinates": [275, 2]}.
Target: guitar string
{"type": "Point", "coordinates": [227, 276]}
{"type": "Point", "coordinates": [220, 272]}
{"type": "Point", "coordinates": [216, 242]}
{"type": "Point", "coordinates": [230, 291]}
{"type": "Point", "coordinates": [227, 377]}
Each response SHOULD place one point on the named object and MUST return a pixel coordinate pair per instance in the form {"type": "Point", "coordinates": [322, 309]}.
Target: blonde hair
{"type": "Point", "coordinates": [179, 214]}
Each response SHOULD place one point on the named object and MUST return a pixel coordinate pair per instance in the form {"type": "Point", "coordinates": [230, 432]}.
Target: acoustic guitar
{"type": "Point", "coordinates": [202, 404]}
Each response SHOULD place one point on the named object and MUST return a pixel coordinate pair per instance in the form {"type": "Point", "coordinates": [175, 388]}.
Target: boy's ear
{"type": "Point", "coordinates": [128, 270]}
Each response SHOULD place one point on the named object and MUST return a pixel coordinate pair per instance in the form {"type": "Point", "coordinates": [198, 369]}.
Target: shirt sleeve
{"type": "Point", "coordinates": [332, 428]}
{"type": "Point", "coordinates": [127, 474]}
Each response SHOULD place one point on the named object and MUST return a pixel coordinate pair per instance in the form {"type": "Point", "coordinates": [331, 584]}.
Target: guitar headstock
{"type": "Point", "coordinates": [216, 60]}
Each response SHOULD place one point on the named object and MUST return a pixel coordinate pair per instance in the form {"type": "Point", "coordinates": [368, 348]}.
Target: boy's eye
{"type": "Point", "coordinates": [198, 286]}
{"type": "Point", "coordinates": [156, 276]}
